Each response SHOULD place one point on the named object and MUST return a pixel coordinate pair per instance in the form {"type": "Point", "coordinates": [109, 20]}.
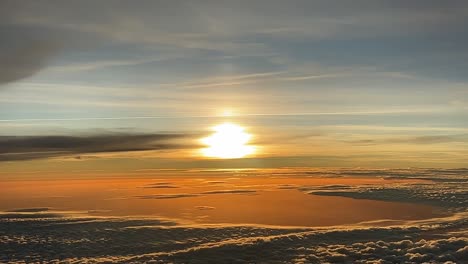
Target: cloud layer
{"type": "Point", "coordinates": [42, 234]}
{"type": "Point", "coordinates": [445, 188]}
{"type": "Point", "coordinates": [78, 239]}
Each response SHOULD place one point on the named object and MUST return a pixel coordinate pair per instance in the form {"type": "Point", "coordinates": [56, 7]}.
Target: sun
{"type": "Point", "coordinates": [229, 141]}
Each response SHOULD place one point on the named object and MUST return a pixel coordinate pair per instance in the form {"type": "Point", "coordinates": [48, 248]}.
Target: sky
{"type": "Point", "coordinates": [128, 85]}
{"type": "Point", "coordinates": [233, 131]}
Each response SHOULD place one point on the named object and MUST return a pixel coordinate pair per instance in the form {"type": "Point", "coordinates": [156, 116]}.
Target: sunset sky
{"type": "Point", "coordinates": [315, 83]}
{"type": "Point", "coordinates": [234, 131]}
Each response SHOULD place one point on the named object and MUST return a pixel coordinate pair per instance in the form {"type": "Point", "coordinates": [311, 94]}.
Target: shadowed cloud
{"type": "Point", "coordinates": [36, 147]}
{"type": "Point", "coordinates": [22, 60]}
{"type": "Point", "coordinates": [29, 210]}
{"type": "Point", "coordinates": [24, 49]}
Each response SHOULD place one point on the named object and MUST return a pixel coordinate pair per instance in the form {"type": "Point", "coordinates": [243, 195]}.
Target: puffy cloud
{"type": "Point", "coordinates": [86, 239]}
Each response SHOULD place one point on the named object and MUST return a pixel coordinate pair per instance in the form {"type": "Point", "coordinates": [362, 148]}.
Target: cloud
{"type": "Point", "coordinates": [287, 186]}
{"type": "Point", "coordinates": [239, 191]}
{"type": "Point", "coordinates": [436, 139]}
{"type": "Point", "coordinates": [167, 196]}
{"type": "Point", "coordinates": [36, 147]}
{"type": "Point", "coordinates": [79, 237]}
{"type": "Point", "coordinates": [204, 207]}
{"type": "Point", "coordinates": [30, 31]}
{"type": "Point", "coordinates": [432, 139]}
{"type": "Point", "coordinates": [25, 215]}
{"type": "Point", "coordinates": [136, 240]}
{"type": "Point", "coordinates": [218, 21]}
{"type": "Point", "coordinates": [160, 185]}
{"type": "Point", "coordinates": [185, 195]}
{"type": "Point", "coordinates": [30, 210]}
{"type": "Point", "coordinates": [24, 49]}
{"type": "Point", "coordinates": [447, 193]}
{"type": "Point", "coordinates": [215, 182]}
{"type": "Point", "coordinates": [329, 187]}
{"type": "Point", "coordinates": [22, 56]}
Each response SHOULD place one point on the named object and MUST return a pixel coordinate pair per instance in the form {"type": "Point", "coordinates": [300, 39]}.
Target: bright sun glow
{"type": "Point", "coordinates": [228, 142]}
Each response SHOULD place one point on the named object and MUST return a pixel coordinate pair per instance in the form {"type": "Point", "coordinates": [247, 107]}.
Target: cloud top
{"type": "Point", "coordinates": [86, 239]}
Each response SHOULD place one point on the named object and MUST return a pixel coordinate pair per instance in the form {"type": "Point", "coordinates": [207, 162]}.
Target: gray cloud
{"type": "Point", "coordinates": [24, 49]}
{"type": "Point", "coordinates": [35, 147]}
{"type": "Point", "coordinates": [22, 54]}
{"type": "Point", "coordinates": [33, 31]}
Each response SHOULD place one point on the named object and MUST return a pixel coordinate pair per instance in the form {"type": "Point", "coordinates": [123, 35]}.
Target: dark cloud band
{"type": "Point", "coordinates": [36, 147]}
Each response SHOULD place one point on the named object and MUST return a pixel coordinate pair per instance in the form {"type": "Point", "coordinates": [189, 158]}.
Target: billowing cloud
{"type": "Point", "coordinates": [70, 239]}
{"type": "Point", "coordinates": [35, 147]}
